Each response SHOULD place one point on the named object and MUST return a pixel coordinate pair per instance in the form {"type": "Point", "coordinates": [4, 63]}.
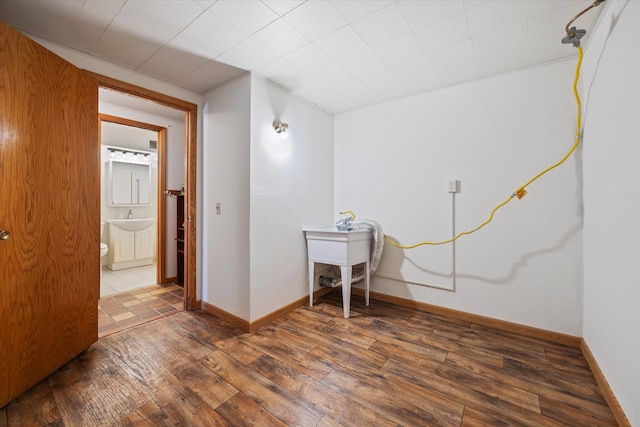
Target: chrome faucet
{"type": "Point", "coordinates": [130, 214]}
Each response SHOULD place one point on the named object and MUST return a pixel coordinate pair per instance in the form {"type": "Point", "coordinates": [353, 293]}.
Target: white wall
{"type": "Point", "coordinates": [291, 187]}
{"type": "Point", "coordinates": [393, 162]}
{"type": "Point", "coordinates": [269, 188]}
{"type": "Point", "coordinates": [226, 157]}
{"type": "Point", "coordinates": [612, 201]}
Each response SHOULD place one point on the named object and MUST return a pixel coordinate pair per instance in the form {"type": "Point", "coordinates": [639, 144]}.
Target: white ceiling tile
{"type": "Point", "coordinates": [52, 21]}
{"type": "Point", "coordinates": [281, 71]}
{"type": "Point", "coordinates": [309, 57]}
{"type": "Point", "coordinates": [547, 49]}
{"type": "Point", "coordinates": [208, 36]}
{"type": "Point", "coordinates": [331, 73]}
{"type": "Point", "coordinates": [470, 4]}
{"type": "Point", "coordinates": [247, 15]}
{"type": "Point", "coordinates": [308, 87]}
{"type": "Point", "coordinates": [323, 97]}
{"type": "Point", "coordinates": [171, 64]}
{"type": "Point", "coordinates": [420, 13]}
{"type": "Point", "coordinates": [205, 4]}
{"type": "Point", "coordinates": [352, 10]}
{"type": "Point", "coordinates": [443, 33]}
{"type": "Point", "coordinates": [125, 49]}
{"type": "Point", "coordinates": [347, 48]}
{"type": "Point", "coordinates": [72, 23]}
{"type": "Point", "coordinates": [95, 17]}
{"type": "Point", "coordinates": [315, 19]}
{"type": "Point", "coordinates": [156, 21]}
{"type": "Point", "coordinates": [280, 37]}
{"type": "Point", "coordinates": [282, 7]}
{"type": "Point", "coordinates": [342, 82]}
{"type": "Point", "coordinates": [210, 75]}
{"type": "Point", "coordinates": [248, 54]}
{"type": "Point", "coordinates": [455, 63]}
{"type": "Point", "coordinates": [381, 26]}
{"type": "Point", "coordinates": [141, 28]}
{"type": "Point", "coordinates": [501, 50]}
{"type": "Point", "coordinates": [550, 24]}
{"type": "Point", "coordinates": [383, 83]}
{"type": "Point", "coordinates": [496, 14]}
{"type": "Point", "coordinates": [416, 74]}
{"type": "Point", "coordinates": [538, 7]}
{"type": "Point", "coordinates": [403, 47]}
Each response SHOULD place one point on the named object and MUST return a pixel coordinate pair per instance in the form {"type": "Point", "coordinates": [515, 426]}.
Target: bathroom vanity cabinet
{"type": "Point", "coordinates": [131, 248]}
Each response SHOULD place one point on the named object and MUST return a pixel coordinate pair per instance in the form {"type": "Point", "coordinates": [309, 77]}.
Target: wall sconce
{"type": "Point", "coordinates": [281, 128]}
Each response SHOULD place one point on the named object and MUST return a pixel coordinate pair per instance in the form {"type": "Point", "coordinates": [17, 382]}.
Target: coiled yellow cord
{"type": "Point", "coordinates": [520, 192]}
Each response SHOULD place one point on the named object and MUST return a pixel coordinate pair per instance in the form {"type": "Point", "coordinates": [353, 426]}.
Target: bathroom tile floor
{"type": "Point", "coordinates": [113, 282]}
{"type": "Point", "coordinates": [124, 310]}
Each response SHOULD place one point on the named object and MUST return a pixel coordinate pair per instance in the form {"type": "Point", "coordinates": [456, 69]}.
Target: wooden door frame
{"type": "Point", "coordinates": [190, 150]}
{"type": "Point", "coordinates": [161, 223]}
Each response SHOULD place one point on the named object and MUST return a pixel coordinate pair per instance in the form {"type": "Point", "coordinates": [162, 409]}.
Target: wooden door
{"type": "Point", "coordinates": [49, 202]}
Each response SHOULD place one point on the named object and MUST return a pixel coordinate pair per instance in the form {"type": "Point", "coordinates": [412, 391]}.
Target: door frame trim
{"type": "Point", "coordinates": [191, 147]}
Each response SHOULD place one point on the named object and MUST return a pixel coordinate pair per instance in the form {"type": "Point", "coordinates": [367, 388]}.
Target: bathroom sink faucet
{"type": "Point", "coordinates": [130, 214]}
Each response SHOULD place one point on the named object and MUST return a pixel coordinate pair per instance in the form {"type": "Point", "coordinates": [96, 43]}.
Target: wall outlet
{"type": "Point", "coordinates": [454, 186]}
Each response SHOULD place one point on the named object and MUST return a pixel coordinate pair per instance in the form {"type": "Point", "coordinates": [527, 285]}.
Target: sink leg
{"type": "Point", "coordinates": [345, 273]}
{"type": "Point", "coordinates": [366, 283]}
{"type": "Point", "coordinates": [311, 274]}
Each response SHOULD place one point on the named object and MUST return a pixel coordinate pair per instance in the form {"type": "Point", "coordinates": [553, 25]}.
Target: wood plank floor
{"type": "Point", "coordinates": [385, 366]}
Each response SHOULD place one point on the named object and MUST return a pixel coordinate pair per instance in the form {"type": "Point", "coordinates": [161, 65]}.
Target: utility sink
{"type": "Point", "coordinates": [132, 224]}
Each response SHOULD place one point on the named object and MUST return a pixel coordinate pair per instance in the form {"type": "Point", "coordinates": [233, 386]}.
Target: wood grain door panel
{"type": "Point", "coordinates": [49, 200]}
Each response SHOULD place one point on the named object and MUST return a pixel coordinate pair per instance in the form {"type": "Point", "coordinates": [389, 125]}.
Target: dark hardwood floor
{"type": "Point", "coordinates": [385, 366]}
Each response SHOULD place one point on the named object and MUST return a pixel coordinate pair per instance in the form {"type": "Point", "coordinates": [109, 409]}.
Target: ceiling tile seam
{"type": "Point", "coordinates": [423, 54]}
{"type": "Point", "coordinates": [257, 31]}
{"type": "Point", "coordinates": [526, 31]}
{"type": "Point", "coordinates": [385, 65]}
{"type": "Point", "coordinates": [362, 17]}
{"type": "Point", "coordinates": [93, 46]}
{"type": "Point", "coordinates": [373, 91]}
{"type": "Point", "coordinates": [473, 46]}
{"type": "Point", "coordinates": [288, 12]}
{"type": "Point", "coordinates": [172, 38]}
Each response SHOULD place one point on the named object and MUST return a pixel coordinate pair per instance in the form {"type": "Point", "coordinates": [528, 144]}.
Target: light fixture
{"type": "Point", "coordinates": [124, 153]}
{"type": "Point", "coordinates": [281, 128]}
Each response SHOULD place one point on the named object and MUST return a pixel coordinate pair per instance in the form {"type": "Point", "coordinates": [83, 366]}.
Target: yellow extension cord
{"type": "Point", "coordinates": [520, 192]}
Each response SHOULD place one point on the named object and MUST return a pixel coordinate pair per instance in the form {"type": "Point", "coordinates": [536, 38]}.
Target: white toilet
{"type": "Point", "coordinates": [103, 247]}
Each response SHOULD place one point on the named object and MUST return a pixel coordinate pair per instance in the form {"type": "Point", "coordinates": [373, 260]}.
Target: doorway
{"type": "Point", "coordinates": [134, 149]}
{"type": "Point", "coordinates": [190, 157]}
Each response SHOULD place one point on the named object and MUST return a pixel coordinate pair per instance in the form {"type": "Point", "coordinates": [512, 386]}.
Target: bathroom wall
{"type": "Point", "coordinates": [611, 91]}
{"type": "Point", "coordinates": [393, 162]}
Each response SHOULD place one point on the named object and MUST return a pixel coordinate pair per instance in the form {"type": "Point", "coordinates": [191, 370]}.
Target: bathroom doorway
{"type": "Point", "coordinates": [133, 168]}
{"type": "Point", "coordinates": [189, 114]}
